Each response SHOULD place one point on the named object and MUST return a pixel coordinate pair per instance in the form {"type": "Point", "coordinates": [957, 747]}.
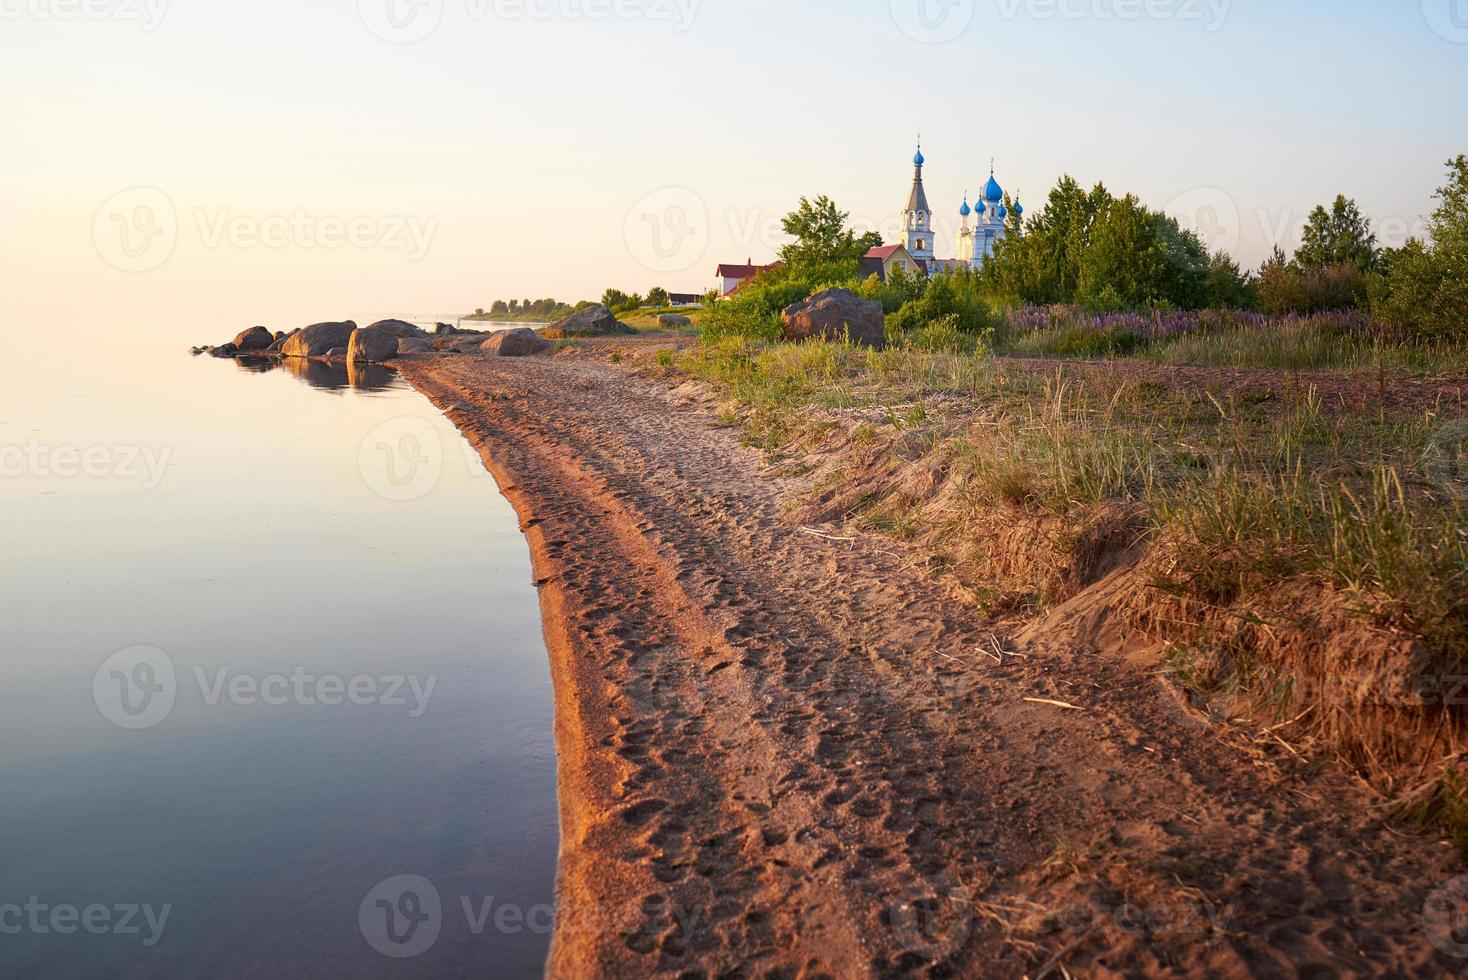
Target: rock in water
{"type": "Point", "coordinates": [317, 339]}
{"type": "Point", "coordinates": [673, 321]}
{"type": "Point", "coordinates": [398, 328]}
{"type": "Point", "coordinates": [255, 338]}
{"type": "Point", "coordinates": [594, 321]}
{"type": "Point", "coordinates": [372, 345]}
{"type": "Point", "coordinates": [519, 342]}
{"type": "Point", "coordinates": [414, 345]}
{"type": "Point", "coordinates": [281, 338]}
{"type": "Point", "coordinates": [832, 315]}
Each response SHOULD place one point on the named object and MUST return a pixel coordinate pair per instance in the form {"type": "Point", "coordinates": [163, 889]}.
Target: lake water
{"type": "Point", "coordinates": [273, 670]}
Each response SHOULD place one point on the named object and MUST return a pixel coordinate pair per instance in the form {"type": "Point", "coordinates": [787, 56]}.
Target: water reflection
{"type": "Point", "coordinates": [262, 546]}
{"type": "Point", "coordinates": [256, 365]}
{"type": "Point", "coordinates": [320, 374]}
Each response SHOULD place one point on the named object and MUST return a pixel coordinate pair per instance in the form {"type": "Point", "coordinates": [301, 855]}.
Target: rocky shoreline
{"type": "Point", "coordinates": [834, 314]}
{"type": "Point", "coordinates": [386, 340]}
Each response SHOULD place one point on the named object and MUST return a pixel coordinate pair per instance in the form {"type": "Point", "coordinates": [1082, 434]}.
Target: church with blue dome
{"type": "Point", "coordinates": [982, 224]}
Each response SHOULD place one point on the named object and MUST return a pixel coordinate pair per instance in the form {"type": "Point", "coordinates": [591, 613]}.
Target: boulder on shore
{"type": "Point", "coordinates": [594, 321]}
{"type": "Point", "coordinates": [372, 345]}
{"type": "Point", "coordinates": [280, 339]}
{"type": "Point", "coordinates": [255, 338]}
{"type": "Point", "coordinates": [398, 328]}
{"type": "Point", "coordinates": [414, 345]}
{"type": "Point", "coordinates": [444, 329]}
{"type": "Point", "coordinates": [318, 339]}
{"type": "Point", "coordinates": [461, 343]}
{"type": "Point", "coordinates": [673, 321]}
{"type": "Point", "coordinates": [518, 342]}
{"type": "Point", "coordinates": [835, 314]}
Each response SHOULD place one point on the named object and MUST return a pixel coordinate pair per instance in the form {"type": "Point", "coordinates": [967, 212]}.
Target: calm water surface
{"type": "Point", "coordinates": [359, 688]}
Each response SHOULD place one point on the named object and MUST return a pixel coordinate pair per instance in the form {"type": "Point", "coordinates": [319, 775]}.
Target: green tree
{"type": "Point", "coordinates": [1012, 224]}
{"type": "Point", "coordinates": [1423, 288]}
{"type": "Point", "coordinates": [1125, 263]}
{"type": "Point", "coordinates": [821, 236]}
{"type": "Point", "coordinates": [657, 296]}
{"type": "Point", "coordinates": [1043, 266]}
{"type": "Point", "coordinates": [1340, 236]}
{"type": "Point", "coordinates": [1226, 285]}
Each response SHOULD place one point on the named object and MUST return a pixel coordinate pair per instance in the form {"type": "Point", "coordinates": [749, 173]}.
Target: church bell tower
{"type": "Point", "coordinates": [917, 217]}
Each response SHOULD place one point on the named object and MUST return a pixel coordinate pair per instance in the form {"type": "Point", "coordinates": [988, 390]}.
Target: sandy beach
{"type": "Point", "coordinates": [785, 752]}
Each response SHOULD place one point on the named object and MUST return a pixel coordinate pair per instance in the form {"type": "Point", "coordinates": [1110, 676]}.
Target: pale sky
{"type": "Point", "coordinates": [284, 161]}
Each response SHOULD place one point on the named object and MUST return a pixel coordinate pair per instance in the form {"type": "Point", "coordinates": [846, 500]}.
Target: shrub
{"type": "Point", "coordinates": [1288, 288]}
{"type": "Point", "coordinates": [1423, 290]}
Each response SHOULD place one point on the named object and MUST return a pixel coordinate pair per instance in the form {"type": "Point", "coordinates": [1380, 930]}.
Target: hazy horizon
{"type": "Point", "coordinates": [183, 163]}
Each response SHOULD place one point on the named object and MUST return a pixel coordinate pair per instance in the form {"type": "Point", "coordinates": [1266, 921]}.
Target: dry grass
{"type": "Point", "coordinates": [1291, 551]}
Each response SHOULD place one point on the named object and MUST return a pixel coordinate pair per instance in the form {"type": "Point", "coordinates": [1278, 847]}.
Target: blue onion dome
{"type": "Point", "coordinates": [1019, 209]}
{"type": "Point", "coordinates": [1003, 212]}
{"type": "Point", "coordinates": [993, 193]}
{"type": "Point", "coordinates": [965, 210]}
{"type": "Point", "coordinates": [979, 207]}
{"type": "Point", "coordinates": [919, 160]}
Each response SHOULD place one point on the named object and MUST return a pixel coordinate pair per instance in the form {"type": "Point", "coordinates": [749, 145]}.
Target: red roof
{"type": "Point", "coordinates": [746, 279]}
{"type": "Point", "coordinates": [884, 252]}
{"type": "Point", "coordinates": [743, 271]}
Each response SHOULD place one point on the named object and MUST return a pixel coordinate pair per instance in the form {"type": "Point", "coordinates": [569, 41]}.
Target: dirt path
{"type": "Point", "coordinates": [785, 755]}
